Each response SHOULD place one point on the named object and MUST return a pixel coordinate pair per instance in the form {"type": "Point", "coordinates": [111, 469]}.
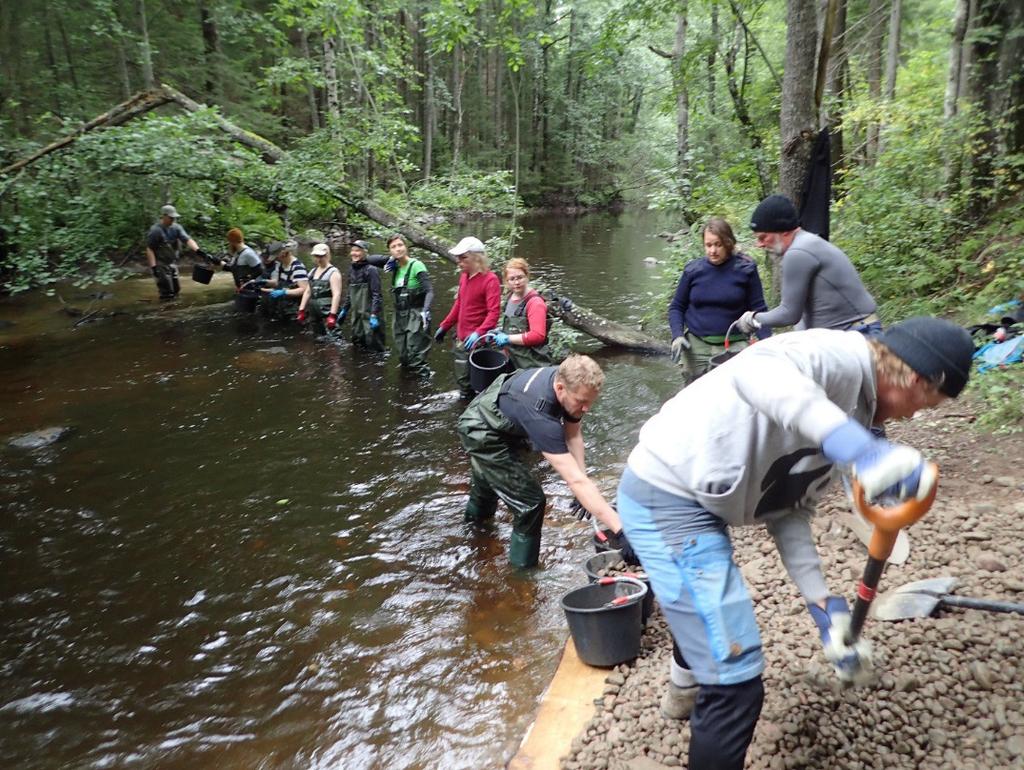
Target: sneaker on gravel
{"type": "Point", "coordinates": [677, 702]}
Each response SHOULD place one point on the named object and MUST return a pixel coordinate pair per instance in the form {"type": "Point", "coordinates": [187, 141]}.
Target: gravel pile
{"type": "Point", "coordinates": [948, 691]}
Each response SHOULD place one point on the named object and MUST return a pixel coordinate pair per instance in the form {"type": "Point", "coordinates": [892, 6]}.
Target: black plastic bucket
{"type": "Point", "coordinates": [485, 364]}
{"type": "Point", "coordinates": [595, 564]}
{"type": "Point", "coordinates": [604, 620]}
{"type": "Point", "coordinates": [202, 273]}
{"type": "Point", "coordinates": [246, 301]}
{"type": "Point", "coordinates": [720, 358]}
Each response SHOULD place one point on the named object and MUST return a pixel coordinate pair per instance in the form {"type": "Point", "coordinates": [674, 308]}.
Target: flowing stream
{"type": "Point", "coordinates": [249, 550]}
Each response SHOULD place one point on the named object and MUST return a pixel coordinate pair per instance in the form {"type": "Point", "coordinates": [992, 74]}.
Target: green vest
{"type": "Point", "coordinates": [522, 356]}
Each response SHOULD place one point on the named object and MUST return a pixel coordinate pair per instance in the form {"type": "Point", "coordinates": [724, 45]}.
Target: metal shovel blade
{"type": "Point", "coordinates": [913, 600]}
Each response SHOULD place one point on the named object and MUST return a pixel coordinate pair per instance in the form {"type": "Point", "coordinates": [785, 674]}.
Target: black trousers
{"type": "Point", "coordinates": [722, 724]}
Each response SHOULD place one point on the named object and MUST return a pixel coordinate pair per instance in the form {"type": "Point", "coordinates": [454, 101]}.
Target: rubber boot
{"type": "Point", "coordinates": [478, 510]}
{"type": "Point", "coordinates": [524, 550]}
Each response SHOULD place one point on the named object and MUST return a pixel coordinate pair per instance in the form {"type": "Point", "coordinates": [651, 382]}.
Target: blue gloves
{"type": "Point", "coordinates": [278, 293]}
{"type": "Point", "coordinates": [883, 469]}
{"type": "Point", "coordinates": [390, 265]}
{"type": "Point", "coordinates": [852, 663]}
{"type": "Point", "coordinates": [471, 340]}
{"type": "Point", "coordinates": [500, 339]}
{"type": "Point", "coordinates": [341, 314]}
{"type": "Point", "coordinates": [425, 315]}
{"type": "Point", "coordinates": [374, 322]}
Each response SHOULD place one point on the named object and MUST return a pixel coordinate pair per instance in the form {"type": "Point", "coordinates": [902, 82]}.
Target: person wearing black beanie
{"type": "Point", "coordinates": [756, 442]}
{"type": "Point", "coordinates": [820, 286]}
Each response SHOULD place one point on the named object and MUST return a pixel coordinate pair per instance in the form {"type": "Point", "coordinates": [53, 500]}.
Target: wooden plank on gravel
{"type": "Point", "coordinates": [567, 705]}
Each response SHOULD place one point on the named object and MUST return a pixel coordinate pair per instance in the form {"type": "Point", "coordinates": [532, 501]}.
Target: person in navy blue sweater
{"type": "Point", "coordinates": [712, 293]}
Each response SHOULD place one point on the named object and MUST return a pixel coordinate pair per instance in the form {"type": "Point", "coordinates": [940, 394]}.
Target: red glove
{"type": "Point", "coordinates": [301, 316]}
{"type": "Point", "coordinates": [332, 320]}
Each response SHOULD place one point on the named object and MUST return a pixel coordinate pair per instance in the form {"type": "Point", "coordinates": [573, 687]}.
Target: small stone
{"type": "Point", "coordinates": [1016, 745]}
{"type": "Point", "coordinates": [615, 678]}
{"type": "Point", "coordinates": [991, 563]}
{"type": "Point", "coordinates": [986, 479]}
{"type": "Point", "coordinates": [1006, 481]}
{"type": "Point", "coordinates": [981, 675]}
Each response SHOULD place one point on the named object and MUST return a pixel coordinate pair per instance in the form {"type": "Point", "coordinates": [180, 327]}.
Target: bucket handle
{"type": "Point", "coordinates": [480, 339]}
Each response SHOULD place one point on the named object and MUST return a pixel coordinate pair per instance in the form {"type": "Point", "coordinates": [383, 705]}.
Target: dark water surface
{"type": "Point", "coordinates": [250, 551]}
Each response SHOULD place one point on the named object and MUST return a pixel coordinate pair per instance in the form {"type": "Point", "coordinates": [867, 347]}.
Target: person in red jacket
{"type": "Point", "coordinates": [475, 310]}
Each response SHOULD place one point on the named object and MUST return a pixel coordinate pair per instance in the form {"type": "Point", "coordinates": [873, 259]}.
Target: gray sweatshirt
{"type": "Point", "coordinates": [820, 288]}
{"type": "Point", "coordinates": [744, 440]}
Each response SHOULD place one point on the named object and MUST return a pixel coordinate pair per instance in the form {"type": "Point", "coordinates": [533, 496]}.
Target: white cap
{"type": "Point", "coordinates": [320, 250]}
{"type": "Point", "coordinates": [468, 243]}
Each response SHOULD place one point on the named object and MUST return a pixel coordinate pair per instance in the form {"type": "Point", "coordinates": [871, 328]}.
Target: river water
{"type": "Point", "coordinates": [249, 551]}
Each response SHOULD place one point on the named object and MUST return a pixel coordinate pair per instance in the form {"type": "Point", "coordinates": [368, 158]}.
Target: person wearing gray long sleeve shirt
{"type": "Point", "coordinates": [757, 441]}
{"type": "Point", "coordinates": [820, 286]}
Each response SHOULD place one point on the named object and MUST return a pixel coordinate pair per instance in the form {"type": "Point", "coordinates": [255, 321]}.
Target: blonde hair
{"type": "Point", "coordinates": [895, 370]}
{"type": "Point", "coordinates": [479, 259]}
{"type": "Point", "coordinates": [579, 371]}
{"type": "Point", "coordinates": [517, 263]}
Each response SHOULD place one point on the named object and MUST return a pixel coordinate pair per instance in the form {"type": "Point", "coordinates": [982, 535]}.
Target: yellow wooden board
{"type": "Point", "coordinates": [567, 705]}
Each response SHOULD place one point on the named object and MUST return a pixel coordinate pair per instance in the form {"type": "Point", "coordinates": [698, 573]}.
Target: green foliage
{"type": "Point", "coordinates": [1001, 392]}
{"type": "Point", "coordinates": [466, 191]}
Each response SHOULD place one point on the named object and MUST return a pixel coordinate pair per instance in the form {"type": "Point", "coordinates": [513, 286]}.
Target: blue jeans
{"type": "Point", "coordinates": [688, 556]}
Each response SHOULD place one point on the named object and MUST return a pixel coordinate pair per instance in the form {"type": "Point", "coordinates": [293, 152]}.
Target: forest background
{"type": "Point", "coordinates": [489, 106]}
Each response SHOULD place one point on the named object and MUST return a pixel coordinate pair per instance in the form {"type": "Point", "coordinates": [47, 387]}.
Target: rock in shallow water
{"type": "Point", "coordinates": [37, 439]}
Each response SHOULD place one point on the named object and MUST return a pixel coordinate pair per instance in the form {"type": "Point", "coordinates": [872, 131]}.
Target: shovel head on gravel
{"type": "Point", "coordinates": [922, 598]}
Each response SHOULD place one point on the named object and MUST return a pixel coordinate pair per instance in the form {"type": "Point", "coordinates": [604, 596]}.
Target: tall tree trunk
{"type": "Point", "coordinates": [737, 91]}
{"type": "Point", "coordinates": [892, 59]}
{"type": "Point", "coordinates": [330, 73]}
{"type": "Point", "coordinates": [838, 82]}
{"type": "Point", "coordinates": [713, 63]}
{"type": "Point", "coordinates": [988, 28]}
{"type": "Point", "coordinates": [458, 79]}
{"type": "Point", "coordinates": [956, 58]}
{"type": "Point", "coordinates": [211, 50]}
{"type": "Point", "coordinates": [1011, 75]}
{"type": "Point", "coordinates": [683, 182]}
{"type": "Point", "coordinates": [429, 118]}
{"type": "Point", "coordinates": [798, 120]}
{"type": "Point", "coordinates": [874, 40]}
{"type": "Point", "coordinates": [145, 50]}
{"type": "Point", "coordinates": [67, 51]}
{"type": "Point", "coordinates": [311, 102]}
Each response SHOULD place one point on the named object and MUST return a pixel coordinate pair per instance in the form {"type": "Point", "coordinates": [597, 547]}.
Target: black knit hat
{"type": "Point", "coordinates": [775, 214]}
{"type": "Point", "coordinates": [938, 350]}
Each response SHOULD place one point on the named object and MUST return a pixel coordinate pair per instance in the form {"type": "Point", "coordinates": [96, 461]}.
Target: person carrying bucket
{"type": "Point", "coordinates": [244, 263]}
{"type": "Point", "coordinates": [364, 300]}
{"type": "Point", "coordinates": [322, 295]}
{"type": "Point", "coordinates": [163, 248]}
{"type": "Point", "coordinates": [712, 293]}
{"type": "Point", "coordinates": [757, 442]}
{"type": "Point", "coordinates": [475, 310]}
{"type": "Point", "coordinates": [524, 324]}
{"type": "Point", "coordinates": [539, 408]}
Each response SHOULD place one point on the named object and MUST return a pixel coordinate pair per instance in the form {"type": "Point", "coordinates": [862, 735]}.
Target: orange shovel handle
{"type": "Point", "coordinates": [889, 521]}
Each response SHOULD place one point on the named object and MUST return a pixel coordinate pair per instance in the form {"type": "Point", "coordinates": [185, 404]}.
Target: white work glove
{"type": "Point", "coordinates": [884, 469]}
{"type": "Point", "coordinates": [679, 344]}
{"type": "Point", "coordinates": [747, 323]}
{"type": "Point", "coordinates": [852, 662]}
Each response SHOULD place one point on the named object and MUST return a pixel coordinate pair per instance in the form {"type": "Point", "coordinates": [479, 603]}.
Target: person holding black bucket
{"type": "Point", "coordinates": [712, 293]}
{"type": "Point", "coordinates": [543, 407]}
{"type": "Point", "coordinates": [757, 442]}
{"type": "Point", "coordinates": [364, 300]}
{"type": "Point", "coordinates": [322, 295]}
{"type": "Point", "coordinates": [163, 248]}
{"type": "Point", "coordinates": [524, 324]}
{"type": "Point", "coordinates": [475, 310]}
{"type": "Point", "coordinates": [282, 289]}
{"type": "Point", "coordinates": [820, 286]}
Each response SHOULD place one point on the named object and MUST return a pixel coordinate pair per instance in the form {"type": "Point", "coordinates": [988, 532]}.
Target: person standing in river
{"type": "Point", "coordinates": [244, 264]}
{"type": "Point", "coordinates": [542, 409]}
{"type": "Point", "coordinates": [364, 300]}
{"type": "Point", "coordinates": [475, 310]}
{"type": "Point", "coordinates": [284, 285]}
{"type": "Point", "coordinates": [524, 324]}
{"type": "Point", "coordinates": [413, 295]}
{"type": "Point", "coordinates": [820, 286]}
{"type": "Point", "coordinates": [322, 295]}
{"type": "Point", "coordinates": [712, 294]}
{"type": "Point", "coordinates": [163, 249]}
